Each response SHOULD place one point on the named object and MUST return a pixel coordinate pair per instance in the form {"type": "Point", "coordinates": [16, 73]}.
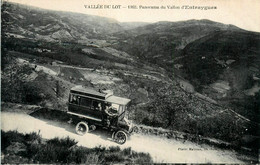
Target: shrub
{"type": "Point", "coordinates": [66, 142]}
{"type": "Point", "coordinates": [114, 149]}
{"type": "Point", "coordinates": [32, 137]}
{"type": "Point", "coordinates": [114, 157]}
{"type": "Point", "coordinates": [65, 150]}
{"type": "Point", "coordinates": [10, 136]}
{"type": "Point", "coordinates": [55, 150]}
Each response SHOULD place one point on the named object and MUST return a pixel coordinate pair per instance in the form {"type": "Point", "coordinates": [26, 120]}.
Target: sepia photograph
{"type": "Point", "coordinates": [130, 82]}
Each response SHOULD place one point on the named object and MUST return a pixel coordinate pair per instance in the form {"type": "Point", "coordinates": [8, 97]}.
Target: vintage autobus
{"type": "Point", "coordinates": [89, 109]}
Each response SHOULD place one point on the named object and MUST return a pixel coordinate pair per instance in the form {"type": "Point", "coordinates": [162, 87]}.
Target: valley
{"type": "Point", "coordinates": [198, 77]}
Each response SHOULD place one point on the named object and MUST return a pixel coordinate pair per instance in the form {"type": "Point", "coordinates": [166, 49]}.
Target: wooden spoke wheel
{"type": "Point", "coordinates": [82, 128]}
{"type": "Point", "coordinates": [120, 137]}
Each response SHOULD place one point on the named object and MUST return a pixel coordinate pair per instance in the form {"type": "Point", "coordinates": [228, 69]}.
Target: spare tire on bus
{"type": "Point", "coordinates": [82, 128]}
{"type": "Point", "coordinates": [120, 137]}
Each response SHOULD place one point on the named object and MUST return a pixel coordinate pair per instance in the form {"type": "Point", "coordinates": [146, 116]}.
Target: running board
{"type": "Point", "coordinates": [88, 117]}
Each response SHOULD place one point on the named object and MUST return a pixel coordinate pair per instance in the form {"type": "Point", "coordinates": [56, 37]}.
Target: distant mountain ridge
{"type": "Point", "coordinates": [166, 39]}
{"type": "Point", "coordinates": [41, 24]}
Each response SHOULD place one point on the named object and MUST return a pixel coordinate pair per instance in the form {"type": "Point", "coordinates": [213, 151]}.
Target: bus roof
{"type": "Point", "coordinates": [87, 92]}
{"type": "Point", "coordinates": [108, 97]}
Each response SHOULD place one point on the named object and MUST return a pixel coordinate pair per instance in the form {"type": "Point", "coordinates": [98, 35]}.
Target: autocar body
{"type": "Point", "coordinates": [88, 107]}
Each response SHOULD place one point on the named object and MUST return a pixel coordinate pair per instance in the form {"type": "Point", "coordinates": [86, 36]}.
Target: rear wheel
{"type": "Point", "coordinates": [120, 137]}
{"type": "Point", "coordinates": [82, 128]}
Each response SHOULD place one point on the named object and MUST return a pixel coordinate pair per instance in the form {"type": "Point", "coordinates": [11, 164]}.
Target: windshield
{"type": "Point", "coordinates": [115, 106]}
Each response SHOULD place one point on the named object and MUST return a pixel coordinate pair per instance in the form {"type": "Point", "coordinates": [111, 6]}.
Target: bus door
{"type": "Point", "coordinates": [97, 108]}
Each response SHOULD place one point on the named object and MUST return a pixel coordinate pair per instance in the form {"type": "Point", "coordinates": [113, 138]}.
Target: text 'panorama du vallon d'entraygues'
{"type": "Point", "coordinates": [164, 7]}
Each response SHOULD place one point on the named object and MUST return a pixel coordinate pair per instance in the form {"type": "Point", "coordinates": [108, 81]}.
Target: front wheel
{"type": "Point", "coordinates": [120, 137]}
{"type": "Point", "coordinates": [82, 128]}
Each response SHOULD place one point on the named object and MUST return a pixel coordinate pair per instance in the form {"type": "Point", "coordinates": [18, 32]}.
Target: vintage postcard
{"type": "Point", "coordinates": [130, 81]}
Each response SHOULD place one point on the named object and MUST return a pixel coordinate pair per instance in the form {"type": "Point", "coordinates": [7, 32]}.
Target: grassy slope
{"type": "Point", "coordinates": [31, 148]}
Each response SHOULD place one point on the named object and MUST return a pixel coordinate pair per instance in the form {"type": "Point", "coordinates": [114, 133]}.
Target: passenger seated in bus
{"type": "Point", "coordinates": [74, 100]}
{"type": "Point", "coordinates": [96, 105]}
{"type": "Point", "coordinates": [99, 107]}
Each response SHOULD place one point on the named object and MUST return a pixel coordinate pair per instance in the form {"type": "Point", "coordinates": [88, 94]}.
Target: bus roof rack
{"type": "Point", "coordinates": [106, 95]}
{"type": "Point", "coordinates": [88, 92]}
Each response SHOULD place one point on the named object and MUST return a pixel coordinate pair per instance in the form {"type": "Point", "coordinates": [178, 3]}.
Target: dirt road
{"type": "Point", "coordinates": [161, 149]}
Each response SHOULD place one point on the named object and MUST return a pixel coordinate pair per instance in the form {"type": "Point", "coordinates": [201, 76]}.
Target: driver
{"type": "Point", "coordinates": [111, 114]}
{"type": "Point", "coordinates": [110, 111]}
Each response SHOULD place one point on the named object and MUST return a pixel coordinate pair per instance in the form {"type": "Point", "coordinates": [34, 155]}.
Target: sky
{"type": "Point", "coordinates": [242, 13]}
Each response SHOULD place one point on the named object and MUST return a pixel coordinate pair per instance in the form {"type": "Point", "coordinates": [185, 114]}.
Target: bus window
{"type": "Point", "coordinates": [74, 99]}
{"type": "Point", "coordinates": [85, 102]}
